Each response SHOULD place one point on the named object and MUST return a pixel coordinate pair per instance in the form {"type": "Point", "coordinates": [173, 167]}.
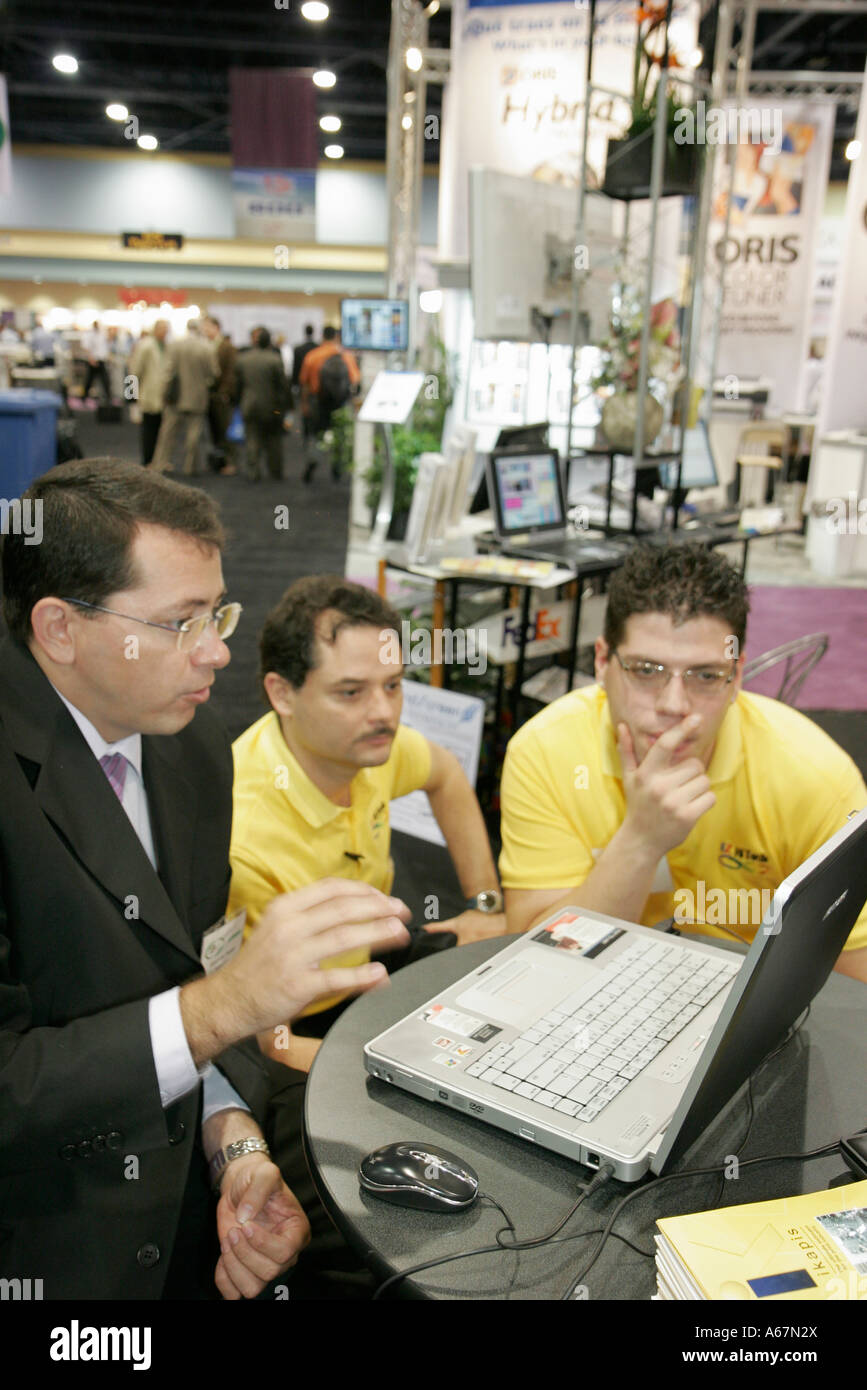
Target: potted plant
{"type": "Point", "coordinates": [628, 161]}
{"type": "Point", "coordinates": [617, 377]}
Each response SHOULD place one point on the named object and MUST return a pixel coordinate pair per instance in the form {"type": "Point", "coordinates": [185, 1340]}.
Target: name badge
{"type": "Point", "coordinates": [222, 941]}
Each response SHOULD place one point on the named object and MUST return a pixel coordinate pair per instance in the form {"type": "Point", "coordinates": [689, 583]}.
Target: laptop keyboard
{"type": "Point", "coordinates": [581, 1055]}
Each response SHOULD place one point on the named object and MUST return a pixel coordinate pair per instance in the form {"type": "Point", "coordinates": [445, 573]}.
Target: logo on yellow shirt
{"type": "Point", "coordinates": [736, 857]}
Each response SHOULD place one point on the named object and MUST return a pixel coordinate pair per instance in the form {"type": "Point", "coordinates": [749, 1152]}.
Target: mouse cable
{"type": "Point", "coordinates": [596, 1181]}
{"type": "Point", "coordinates": [823, 1152]}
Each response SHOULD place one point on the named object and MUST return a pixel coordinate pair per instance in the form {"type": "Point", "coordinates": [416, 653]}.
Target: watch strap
{"type": "Point", "coordinates": [237, 1149]}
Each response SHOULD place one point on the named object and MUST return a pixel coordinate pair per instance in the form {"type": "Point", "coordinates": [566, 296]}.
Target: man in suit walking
{"type": "Point", "coordinates": [191, 369]}
{"type": "Point", "coordinates": [126, 1080]}
{"type": "Point", "coordinates": [263, 392]}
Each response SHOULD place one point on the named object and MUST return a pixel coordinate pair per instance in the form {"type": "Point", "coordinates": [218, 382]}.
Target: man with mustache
{"type": "Point", "coordinates": [314, 777]}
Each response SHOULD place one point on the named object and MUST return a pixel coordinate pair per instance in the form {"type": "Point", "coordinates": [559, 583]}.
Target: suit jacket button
{"type": "Point", "coordinates": [68, 1152]}
{"type": "Point", "coordinates": [114, 1139]}
{"type": "Point", "coordinates": [177, 1134]}
{"type": "Point", "coordinates": [148, 1255]}
{"type": "Point", "coordinates": [85, 1149]}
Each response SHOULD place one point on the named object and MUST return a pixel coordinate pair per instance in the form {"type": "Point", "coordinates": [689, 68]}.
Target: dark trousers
{"type": "Point", "coordinates": [150, 428]}
{"type": "Point", "coordinates": [97, 369]}
{"type": "Point", "coordinates": [263, 437]}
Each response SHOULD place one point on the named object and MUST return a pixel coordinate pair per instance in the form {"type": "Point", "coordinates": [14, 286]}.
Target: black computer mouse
{"type": "Point", "coordinates": [419, 1175]}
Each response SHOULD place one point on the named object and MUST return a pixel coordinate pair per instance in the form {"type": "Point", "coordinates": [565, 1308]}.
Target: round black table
{"type": "Point", "coordinates": [811, 1093]}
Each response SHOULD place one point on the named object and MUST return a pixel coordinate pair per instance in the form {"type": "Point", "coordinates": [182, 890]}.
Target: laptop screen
{"type": "Point", "coordinates": [527, 491]}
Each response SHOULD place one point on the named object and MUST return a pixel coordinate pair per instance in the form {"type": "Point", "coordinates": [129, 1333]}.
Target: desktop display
{"type": "Point", "coordinates": [375, 325]}
{"type": "Point", "coordinates": [699, 469]}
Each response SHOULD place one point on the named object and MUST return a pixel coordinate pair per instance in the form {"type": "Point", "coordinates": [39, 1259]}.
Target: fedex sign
{"type": "Point", "coordinates": [547, 631]}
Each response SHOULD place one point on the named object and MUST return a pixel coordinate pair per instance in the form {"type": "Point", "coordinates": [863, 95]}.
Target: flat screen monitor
{"type": "Point", "coordinates": [375, 325]}
{"type": "Point", "coordinates": [528, 493]}
{"type": "Point", "coordinates": [511, 437]}
{"type": "Point", "coordinates": [699, 469]}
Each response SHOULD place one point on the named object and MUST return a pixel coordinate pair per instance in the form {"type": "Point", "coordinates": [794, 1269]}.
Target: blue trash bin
{"type": "Point", "coordinates": [28, 437]}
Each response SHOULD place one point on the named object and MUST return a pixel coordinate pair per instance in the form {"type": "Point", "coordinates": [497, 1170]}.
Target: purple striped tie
{"type": "Point", "coordinates": [115, 768]}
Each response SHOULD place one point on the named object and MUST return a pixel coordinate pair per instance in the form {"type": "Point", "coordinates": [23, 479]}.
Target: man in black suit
{"type": "Point", "coordinates": [121, 1078]}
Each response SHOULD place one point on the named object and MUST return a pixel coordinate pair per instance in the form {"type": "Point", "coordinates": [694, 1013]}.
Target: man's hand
{"type": "Point", "coordinates": [261, 1227]}
{"type": "Point", "coordinates": [664, 797]}
{"type": "Point", "coordinates": [472, 925]}
{"type": "Point", "coordinates": [277, 971]}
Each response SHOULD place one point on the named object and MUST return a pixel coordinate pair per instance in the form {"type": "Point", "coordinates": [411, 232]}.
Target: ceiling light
{"type": "Point", "coordinates": [696, 58]}
{"type": "Point", "coordinates": [116, 111]}
{"type": "Point", "coordinates": [430, 301]}
{"type": "Point", "coordinates": [433, 8]}
{"type": "Point", "coordinates": [314, 11]}
{"type": "Point", "coordinates": [407, 122]}
{"type": "Point", "coordinates": [853, 149]}
{"type": "Point", "coordinates": [414, 59]}
{"type": "Point", "coordinates": [330, 123]}
{"type": "Point", "coordinates": [324, 78]}
{"type": "Point", "coordinates": [147, 142]}
{"type": "Point", "coordinates": [64, 62]}
{"type": "Point", "coordinates": [333, 151]}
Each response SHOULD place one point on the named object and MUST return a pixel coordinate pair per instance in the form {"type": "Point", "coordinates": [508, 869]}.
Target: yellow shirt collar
{"type": "Point", "coordinates": [306, 798]}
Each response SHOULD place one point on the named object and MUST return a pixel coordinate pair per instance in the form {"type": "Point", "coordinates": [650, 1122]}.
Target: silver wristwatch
{"type": "Point", "coordinates": [490, 901]}
{"type": "Point", "coordinates": [223, 1157]}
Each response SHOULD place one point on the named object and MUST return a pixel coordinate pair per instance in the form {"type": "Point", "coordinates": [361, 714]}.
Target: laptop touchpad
{"type": "Point", "coordinates": [522, 990]}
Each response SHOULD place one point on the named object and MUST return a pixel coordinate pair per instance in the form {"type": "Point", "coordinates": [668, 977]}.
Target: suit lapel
{"type": "Point", "coordinates": [77, 798]}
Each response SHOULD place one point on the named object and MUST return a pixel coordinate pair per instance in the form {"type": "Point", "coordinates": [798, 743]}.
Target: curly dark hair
{"type": "Point", "coordinates": [682, 581]}
{"type": "Point", "coordinates": [288, 641]}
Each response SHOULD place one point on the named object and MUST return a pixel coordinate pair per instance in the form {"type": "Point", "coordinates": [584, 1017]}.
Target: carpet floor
{"type": "Point", "coordinates": [780, 614]}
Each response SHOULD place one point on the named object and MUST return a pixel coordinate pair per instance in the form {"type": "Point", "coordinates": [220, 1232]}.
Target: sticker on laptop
{"type": "Point", "coordinates": [464, 1025]}
{"type": "Point", "coordinates": [461, 1050]}
{"type": "Point", "coordinates": [444, 1042]}
{"type": "Point", "coordinates": [446, 1061]}
{"type": "Point", "coordinates": [570, 932]}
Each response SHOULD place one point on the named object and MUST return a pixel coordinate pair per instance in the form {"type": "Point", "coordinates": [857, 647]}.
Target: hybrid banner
{"type": "Point", "coordinates": [516, 96]}
{"type": "Point", "coordinates": [777, 197]}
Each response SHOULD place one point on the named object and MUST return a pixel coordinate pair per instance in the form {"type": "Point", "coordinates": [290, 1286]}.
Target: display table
{"type": "Point", "coordinates": [809, 1094]}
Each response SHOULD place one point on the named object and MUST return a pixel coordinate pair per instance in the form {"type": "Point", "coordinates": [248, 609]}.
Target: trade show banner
{"type": "Point", "coordinates": [276, 205]}
{"type": "Point", "coordinates": [844, 399]}
{"type": "Point", "coordinates": [275, 154]}
{"type": "Point", "coordinates": [5, 141]}
{"type": "Point", "coordinates": [516, 96]}
{"type": "Point", "coordinates": [767, 258]}
{"type": "Point", "coordinates": [456, 722]}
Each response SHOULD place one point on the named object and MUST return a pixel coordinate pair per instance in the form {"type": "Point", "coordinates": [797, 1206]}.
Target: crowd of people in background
{"type": "Point", "coordinates": [230, 407]}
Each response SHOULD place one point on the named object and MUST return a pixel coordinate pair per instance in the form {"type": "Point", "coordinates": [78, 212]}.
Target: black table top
{"type": "Point", "coordinates": [813, 1092]}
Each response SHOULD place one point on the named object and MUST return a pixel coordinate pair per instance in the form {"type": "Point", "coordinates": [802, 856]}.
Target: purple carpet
{"type": "Point", "coordinates": [779, 614]}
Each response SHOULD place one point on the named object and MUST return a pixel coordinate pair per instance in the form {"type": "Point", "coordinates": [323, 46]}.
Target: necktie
{"type": "Point", "coordinates": [115, 768]}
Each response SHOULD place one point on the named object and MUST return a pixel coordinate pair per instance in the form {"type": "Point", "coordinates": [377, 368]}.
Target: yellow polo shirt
{"type": "Point", "coordinates": [286, 833]}
{"type": "Point", "coordinates": [782, 787]}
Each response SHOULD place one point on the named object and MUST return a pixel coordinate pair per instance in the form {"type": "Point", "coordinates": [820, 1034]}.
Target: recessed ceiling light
{"type": "Point", "coordinates": [406, 121]}
{"type": "Point", "coordinates": [333, 151]}
{"type": "Point", "coordinates": [324, 78]}
{"type": "Point", "coordinates": [414, 59]}
{"type": "Point", "coordinates": [314, 11]}
{"type": "Point", "coordinates": [330, 123]}
{"type": "Point", "coordinates": [64, 62]}
{"type": "Point", "coordinates": [853, 149]}
{"type": "Point", "coordinates": [147, 142]}
{"type": "Point", "coordinates": [116, 111]}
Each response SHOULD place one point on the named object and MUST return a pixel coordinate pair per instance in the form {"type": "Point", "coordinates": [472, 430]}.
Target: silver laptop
{"type": "Point", "coordinates": [612, 1043]}
{"type": "Point", "coordinates": [529, 509]}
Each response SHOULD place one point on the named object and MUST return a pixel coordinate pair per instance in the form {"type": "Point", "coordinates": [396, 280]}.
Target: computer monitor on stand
{"type": "Point", "coordinates": [510, 437]}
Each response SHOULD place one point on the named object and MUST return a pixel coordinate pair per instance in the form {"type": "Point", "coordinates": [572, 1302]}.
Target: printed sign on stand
{"type": "Point", "coordinates": [455, 722]}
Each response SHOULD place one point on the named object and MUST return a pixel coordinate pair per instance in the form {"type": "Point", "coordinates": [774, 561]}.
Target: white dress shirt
{"type": "Point", "coordinates": [176, 1071]}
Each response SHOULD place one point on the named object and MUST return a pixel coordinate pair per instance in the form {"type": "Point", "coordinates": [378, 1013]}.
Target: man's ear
{"type": "Point", "coordinates": [280, 693]}
{"type": "Point", "coordinates": [52, 631]}
{"type": "Point", "coordinates": [602, 656]}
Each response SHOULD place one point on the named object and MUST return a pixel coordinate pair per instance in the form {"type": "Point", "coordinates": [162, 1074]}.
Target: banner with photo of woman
{"type": "Point", "coordinates": [766, 255]}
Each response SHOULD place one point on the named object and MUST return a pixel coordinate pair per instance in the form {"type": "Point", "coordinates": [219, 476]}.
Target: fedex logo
{"type": "Point", "coordinates": [542, 626]}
